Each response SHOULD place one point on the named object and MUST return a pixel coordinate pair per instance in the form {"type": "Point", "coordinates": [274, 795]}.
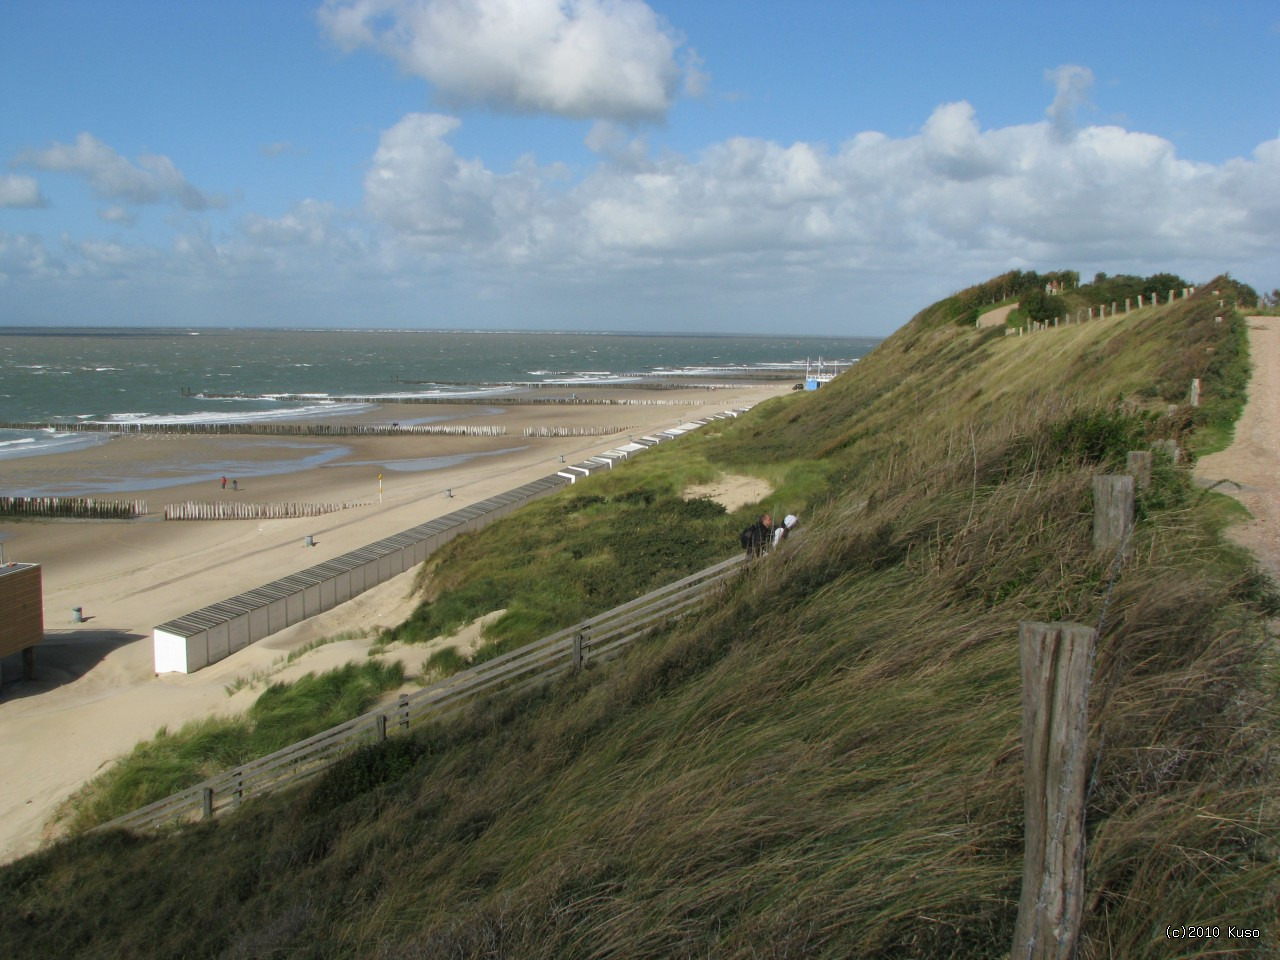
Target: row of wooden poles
{"type": "Point", "coordinates": [1057, 670]}
{"type": "Point", "coordinates": [272, 429]}
{"type": "Point", "coordinates": [574, 431]}
{"type": "Point", "coordinates": [89, 508]}
{"type": "Point", "coordinates": [1086, 313]}
{"type": "Point", "coordinates": [77, 507]}
{"type": "Point", "coordinates": [237, 510]}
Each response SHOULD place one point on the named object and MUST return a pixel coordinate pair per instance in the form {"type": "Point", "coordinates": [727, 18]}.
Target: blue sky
{"type": "Point", "coordinates": [798, 167]}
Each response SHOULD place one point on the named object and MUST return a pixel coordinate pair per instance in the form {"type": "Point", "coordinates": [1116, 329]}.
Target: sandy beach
{"type": "Point", "coordinates": [95, 693]}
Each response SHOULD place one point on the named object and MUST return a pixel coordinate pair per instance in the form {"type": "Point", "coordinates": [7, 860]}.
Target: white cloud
{"type": "Point", "coordinates": [152, 179]}
{"type": "Point", "coordinates": [953, 193]}
{"type": "Point", "coordinates": [746, 228]}
{"type": "Point", "coordinates": [120, 216]}
{"type": "Point", "coordinates": [24, 257]}
{"type": "Point", "coordinates": [1072, 83]}
{"type": "Point", "coordinates": [423, 190]}
{"type": "Point", "coordinates": [609, 59]}
{"type": "Point", "coordinates": [20, 191]}
{"type": "Point", "coordinates": [307, 225]}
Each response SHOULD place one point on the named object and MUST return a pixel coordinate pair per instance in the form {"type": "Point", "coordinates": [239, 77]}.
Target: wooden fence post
{"type": "Point", "coordinates": [1138, 463]}
{"type": "Point", "coordinates": [579, 649]}
{"type": "Point", "coordinates": [380, 726]}
{"type": "Point", "coordinates": [1170, 448]}
{"type": "Point", "coordinates": [402, 709]}
{"type": "Point", "coordinates": [1112, 510]}
{"type": "Point", "coordinates": [1056, 660]}
{"type": "Point", "coordinates": [206, 803]}
{"type": "Point", "coordinates": [1195, 392]}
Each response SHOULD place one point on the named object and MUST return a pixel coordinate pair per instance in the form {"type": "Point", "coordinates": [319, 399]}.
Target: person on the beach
{"type": "Point", "coordinates": [755, 539]}
{"type": "Point", "coordinates": [224, 483]}
{"type": "Point", "coordinates": [235, 484]}
{"type": "Point", "coordinates": [781, 531]}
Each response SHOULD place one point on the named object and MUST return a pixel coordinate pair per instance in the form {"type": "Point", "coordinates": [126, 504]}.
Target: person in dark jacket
{"type": "Point", "coordinates": [755, 539]}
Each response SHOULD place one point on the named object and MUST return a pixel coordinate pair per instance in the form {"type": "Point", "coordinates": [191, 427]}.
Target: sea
{"type": "Point", "coordinates": [64, 375]}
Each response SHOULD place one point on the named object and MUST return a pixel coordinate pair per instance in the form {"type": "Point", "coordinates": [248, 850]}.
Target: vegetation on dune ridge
{"type": "Point", "coordinates": [283, 714]}
{"type": "Point", "coordinates": [826, 762]}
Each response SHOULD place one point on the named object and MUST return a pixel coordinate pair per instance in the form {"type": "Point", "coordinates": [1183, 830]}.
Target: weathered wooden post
{"type": "Point", "coordinates": [380, 727]}
{"type": "Point", "coordinates": [1138, 463]}
{"type": "Point", "coordinates": [1056, 662]}
{"type": "Point", "coordinates": [1170, 449]}
{"type": "Point", "coordinates": [579, 649]}
{"type": "Point", "coordinates": [1112, 510]}
{"type": "Point", "coordinates": [1195, 392]}
{"type": "Point", "coordinates": [402, 710]}
{"type": "Point", "coordinates": [206, 803]}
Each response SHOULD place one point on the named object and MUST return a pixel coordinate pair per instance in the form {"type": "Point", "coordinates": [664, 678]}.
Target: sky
{"type": "Point", "coordinates": [824, 167]}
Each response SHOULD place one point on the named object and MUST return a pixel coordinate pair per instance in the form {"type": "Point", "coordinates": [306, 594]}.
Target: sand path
{"type": "Point", "coordinates": [95, 693]}
{"type": "Point", "coordinates": [1249, 469]}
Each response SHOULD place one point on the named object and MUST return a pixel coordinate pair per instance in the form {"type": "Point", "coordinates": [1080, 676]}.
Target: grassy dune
{"type": "Point", "coordinates": [826, 762]}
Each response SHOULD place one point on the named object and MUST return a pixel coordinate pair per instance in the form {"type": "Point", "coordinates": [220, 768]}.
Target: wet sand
{"type": "Point", "coordinates": [95, 693]}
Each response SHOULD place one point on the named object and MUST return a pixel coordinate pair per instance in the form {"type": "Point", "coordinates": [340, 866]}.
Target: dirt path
{"type": "Point", "coordinates": [1250, 467]}
{"type": "Point", "coordinates": [996, 317]}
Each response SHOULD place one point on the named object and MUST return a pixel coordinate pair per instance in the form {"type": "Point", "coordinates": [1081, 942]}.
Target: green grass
{"type": "Point", "coordinates": [283, 714]}
{"type": "Point", "coordinates": [826, 761]}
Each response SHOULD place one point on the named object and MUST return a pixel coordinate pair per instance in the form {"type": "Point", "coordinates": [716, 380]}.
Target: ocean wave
{"type": "Point", "coordinates": [327, 409]}
{"type": "Point", "coordinates": [46, 443]}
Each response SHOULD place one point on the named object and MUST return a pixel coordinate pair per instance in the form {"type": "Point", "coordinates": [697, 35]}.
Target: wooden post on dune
{"type": "Point", "coordinates": [1112, 510]}
{"type": "Point", "coordinates": [1056, 663]}
{"type": "Point", "coordinates": [1138, 463]}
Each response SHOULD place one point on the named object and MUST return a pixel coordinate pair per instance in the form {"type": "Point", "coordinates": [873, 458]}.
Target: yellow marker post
{"type": "Point", "coordinates": [379, 488]}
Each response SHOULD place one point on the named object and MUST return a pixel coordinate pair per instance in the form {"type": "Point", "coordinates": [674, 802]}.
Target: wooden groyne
{"type": "Point", "coordinates": [235, 510]}
{"type": "Point", "coordinates": [575, 431]}
{"type": "Point", "coordinates": [79, 508]}
{"type": "Point", "coordinates": [270, 429]}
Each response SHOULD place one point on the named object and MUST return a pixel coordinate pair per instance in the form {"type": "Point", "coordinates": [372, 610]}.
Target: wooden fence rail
{"type": "Point", "coordinates": [88, 508]}
{"type": "Point", "coordinates": [235, 510]}
{"type": "Point", "coordinates": [592, 639]}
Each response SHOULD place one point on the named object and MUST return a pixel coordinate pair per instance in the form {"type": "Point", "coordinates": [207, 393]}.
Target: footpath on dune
{"type": "Point", "coordinates": [1249, 469]}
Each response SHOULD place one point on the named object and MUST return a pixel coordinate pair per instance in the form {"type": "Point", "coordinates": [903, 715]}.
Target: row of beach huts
{"type": "Point", "coordinates": [197, 639]}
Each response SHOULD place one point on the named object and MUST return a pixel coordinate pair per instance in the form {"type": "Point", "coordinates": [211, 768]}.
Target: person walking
{"type": "Point", "coordinates": [224, 483]}
{"type": "Point", "coordinates": [781, 531]}
{"type": "Point", "coordinates": [755, 539]}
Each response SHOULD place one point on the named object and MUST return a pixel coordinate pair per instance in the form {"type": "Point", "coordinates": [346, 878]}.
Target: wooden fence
{"type": "Point", "coordinates": [87, 508]}
{"type": "Point", "coordinates": [235, 510]}
{"type": "Point", "coordinates": [596, 638]}
{"type": "Point", "coordinates": [1101, 312]}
